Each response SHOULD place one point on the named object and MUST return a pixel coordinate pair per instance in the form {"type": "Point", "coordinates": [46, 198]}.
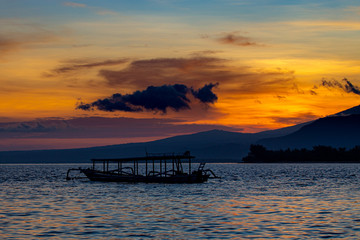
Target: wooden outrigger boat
{"type": "Point", "coordinates": [159, 168]}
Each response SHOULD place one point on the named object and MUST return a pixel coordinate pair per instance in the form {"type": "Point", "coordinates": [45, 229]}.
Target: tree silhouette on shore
{"type": "Point", "coordinates": [259, 154]}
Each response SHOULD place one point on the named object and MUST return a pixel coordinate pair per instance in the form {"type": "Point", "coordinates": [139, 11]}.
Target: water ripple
{"type": "Point", "coordinates": [297, 201]}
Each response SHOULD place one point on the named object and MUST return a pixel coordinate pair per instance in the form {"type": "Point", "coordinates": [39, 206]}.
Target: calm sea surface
{"type": "Point", "coordinates": [251, 201]}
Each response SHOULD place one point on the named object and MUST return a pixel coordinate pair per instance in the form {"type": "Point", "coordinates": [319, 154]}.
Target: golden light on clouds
{"type": "Point", "coordinates": [266, 67]}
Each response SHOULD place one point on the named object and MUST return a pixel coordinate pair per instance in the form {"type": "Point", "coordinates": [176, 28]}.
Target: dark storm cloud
{"type": "Point", "coordinates": [347, 87]}
{"type": "Point", "coordinates": [160, 98]}
{"type": "Point", "coordinates": [205, 93]}
{"type": "Point", "coordinates": [83, 106]}
{"type": "Point", "coordinates": [153, 98]}
{"type": "Point", "coordinates": [116, 102]}
{"type": "Point", "coordinates": [238, 40]}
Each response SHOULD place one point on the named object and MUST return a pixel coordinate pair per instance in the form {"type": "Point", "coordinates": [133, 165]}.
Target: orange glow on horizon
{"type": "Point", "coordinates": [269, 71]}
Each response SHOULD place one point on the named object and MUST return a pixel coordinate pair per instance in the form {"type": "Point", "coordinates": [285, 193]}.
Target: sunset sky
{"type": "Point", "coordinates": [246, 65]}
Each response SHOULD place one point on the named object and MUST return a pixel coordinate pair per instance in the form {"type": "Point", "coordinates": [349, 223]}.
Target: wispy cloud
{"type": "Point", "coordinates": [296, 119]}
{"type": "Point", "coordinates": [16, 35]}
{"type": "Point", "coordinates": [97, 10]}
{"type": "Point", "coordinates": [8, 45]}
{"type": "Point", "coordinates": [142, 73]}
{"type": "Point", "coordinates": [106, 12]}
{"type": "Point", "coordinates": [131, 75]}
{"type": "Point", "coordinates": [234, 79]}
{"type": "Point", "coordinates": [199, 71]}
{"type": "Point", "coordinates": [238, 40]}
{"type": "Point", "coordinates": [354, 9]}
{"type": "Point", "coordinates": [87, 64]}
{"type": "Point", "coordinates": [16, 42]}
{"type": "Point", "coordinates": [74, 4]}
{"type": "Point", "coordinates": [319, 25]}
{"type": "Point", "coordinates": [204, 53]}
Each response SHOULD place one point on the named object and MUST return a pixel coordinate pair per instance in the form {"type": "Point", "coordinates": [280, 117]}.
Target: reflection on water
{"type": "Point", "coordinates": [296, 201]}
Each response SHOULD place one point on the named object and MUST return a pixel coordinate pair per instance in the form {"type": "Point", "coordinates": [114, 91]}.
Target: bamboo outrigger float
{"type": "Point", "coordinates": [159, 168]}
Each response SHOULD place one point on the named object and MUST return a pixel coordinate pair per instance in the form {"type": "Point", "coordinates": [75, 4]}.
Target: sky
{"type": "Point", "coordinates": [240, 65]}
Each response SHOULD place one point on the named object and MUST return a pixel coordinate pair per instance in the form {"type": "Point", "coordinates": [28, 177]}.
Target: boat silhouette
{"type": "Point", "coordinates": [159, 168]}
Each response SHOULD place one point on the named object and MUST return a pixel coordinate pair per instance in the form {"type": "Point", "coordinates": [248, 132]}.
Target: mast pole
{"type": "Point", "coordinates": [189, 165]}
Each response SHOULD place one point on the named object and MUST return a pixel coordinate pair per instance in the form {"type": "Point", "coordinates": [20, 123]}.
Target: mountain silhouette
{"type": "Point", "coordinates": [353, 110]}
{"type": "Point", "coordinates": [214, 145]}
{"type": "Point", "coordinates": [339, 130]}
{"type": "Point", "coordinates": [335, 131]}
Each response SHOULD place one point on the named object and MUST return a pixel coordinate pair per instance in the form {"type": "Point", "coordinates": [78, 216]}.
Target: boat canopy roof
{"type": "Point", "coordinates": [151, 157]}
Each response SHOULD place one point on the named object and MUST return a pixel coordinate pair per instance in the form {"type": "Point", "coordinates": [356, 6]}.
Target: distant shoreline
{"type": "Point", "coordinates": [89, 162]}
{"type": "Point", "coordinates": [234, 162]}
{"type": "Point", "coordinates": [318, 154]}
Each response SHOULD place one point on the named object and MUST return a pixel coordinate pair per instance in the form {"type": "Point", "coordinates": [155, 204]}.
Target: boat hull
{"type": "Point", "coordinates": [95, 175]}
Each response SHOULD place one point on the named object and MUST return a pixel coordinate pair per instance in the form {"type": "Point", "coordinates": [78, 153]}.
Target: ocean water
{"type": "Point", "coordinates": [251, 201]}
